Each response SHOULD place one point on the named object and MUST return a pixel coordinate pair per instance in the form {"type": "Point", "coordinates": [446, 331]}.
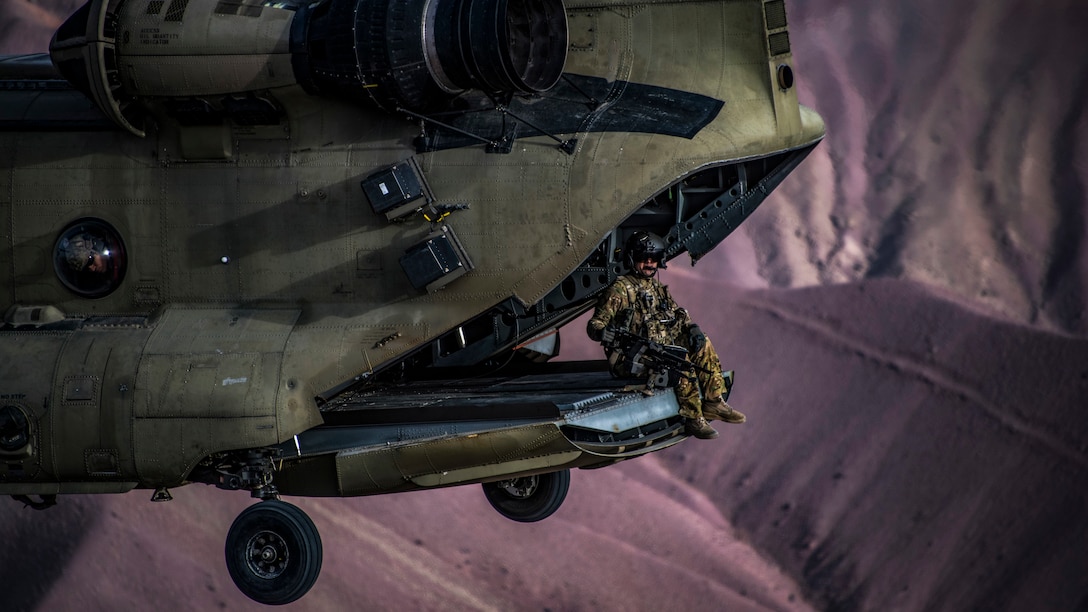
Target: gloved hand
{"type": "Point", "coordinates": [696, 339]}
{"type": "Point", "coordinates": [608, 336]}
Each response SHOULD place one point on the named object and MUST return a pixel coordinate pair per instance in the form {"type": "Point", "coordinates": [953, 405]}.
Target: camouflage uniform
{"type": "Point", "coordinates": [657, 317]}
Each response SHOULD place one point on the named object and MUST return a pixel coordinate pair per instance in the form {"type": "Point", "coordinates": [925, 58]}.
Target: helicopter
{"type": "Point", "coordinates": [324, 247]}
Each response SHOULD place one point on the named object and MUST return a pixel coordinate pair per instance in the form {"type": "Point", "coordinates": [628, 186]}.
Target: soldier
{"type": "Point", "coordinates": [642, 305]}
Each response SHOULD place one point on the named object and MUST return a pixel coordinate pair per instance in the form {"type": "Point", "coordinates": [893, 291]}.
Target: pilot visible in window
{"type": "Point", "coordinates": [84, 253]}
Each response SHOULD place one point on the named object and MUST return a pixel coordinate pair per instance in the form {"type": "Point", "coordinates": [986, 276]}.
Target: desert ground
{"type": "Point", "coordinates": [906, 319]}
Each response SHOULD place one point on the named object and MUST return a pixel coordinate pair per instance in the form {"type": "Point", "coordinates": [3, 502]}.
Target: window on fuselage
{"type": "Point", "coordinates": [90, 258]}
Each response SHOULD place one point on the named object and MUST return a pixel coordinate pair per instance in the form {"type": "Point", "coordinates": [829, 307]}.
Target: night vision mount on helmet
{"type": "Point", "coordinates": [643, 245]}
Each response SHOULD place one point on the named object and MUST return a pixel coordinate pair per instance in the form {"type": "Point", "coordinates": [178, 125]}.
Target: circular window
{"type": "Point", "coordinates": [90, 258]}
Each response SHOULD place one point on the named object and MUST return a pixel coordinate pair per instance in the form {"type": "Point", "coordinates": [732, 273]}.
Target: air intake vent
{"type": "Point", "coordinates": [436, 261]}
{"type": "Point", "coordinates": [779, 43]}
{"type": "Point", "coordinates": [775, 11]}
{"type": "Point", "coordinates": [176, 10]}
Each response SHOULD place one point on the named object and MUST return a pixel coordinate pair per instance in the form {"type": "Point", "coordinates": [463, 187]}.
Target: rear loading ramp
{"type": "Point", "coordinates": [454, 431]}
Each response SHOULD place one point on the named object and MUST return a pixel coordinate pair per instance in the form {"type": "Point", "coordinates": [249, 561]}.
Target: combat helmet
{"type": "Point", "coordinates": [642, 245]}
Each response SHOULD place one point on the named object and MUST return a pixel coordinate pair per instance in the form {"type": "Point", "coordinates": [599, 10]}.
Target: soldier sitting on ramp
{"type": "Point", "coordinates": [637, 302]}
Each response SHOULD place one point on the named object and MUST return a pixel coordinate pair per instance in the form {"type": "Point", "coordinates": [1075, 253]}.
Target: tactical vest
{"type": "Point", "coordinates": [654, 314]}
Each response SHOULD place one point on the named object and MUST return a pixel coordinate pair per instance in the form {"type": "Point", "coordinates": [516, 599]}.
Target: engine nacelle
{"type": "Point", "coordinates": [412, 54]}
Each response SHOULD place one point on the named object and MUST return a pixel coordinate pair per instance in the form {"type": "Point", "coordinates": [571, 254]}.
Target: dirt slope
{"type": "Point", "coordinates": [904, 451]}
{"type": "Point", "coordinates": [956, 155]}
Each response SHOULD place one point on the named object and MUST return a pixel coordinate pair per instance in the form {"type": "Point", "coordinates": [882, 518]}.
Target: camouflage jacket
{"type": "Point", "coordinates": [654, 314]}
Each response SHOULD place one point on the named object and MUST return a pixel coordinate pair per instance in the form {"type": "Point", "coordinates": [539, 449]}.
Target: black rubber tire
{"type": "Point", "coordinates": [273, 552]}
{"type": "Point", "coordinates": [528, 499]}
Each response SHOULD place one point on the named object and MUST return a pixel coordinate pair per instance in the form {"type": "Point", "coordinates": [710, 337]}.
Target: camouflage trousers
{"type": "Point", "coordinates": [690, 393]}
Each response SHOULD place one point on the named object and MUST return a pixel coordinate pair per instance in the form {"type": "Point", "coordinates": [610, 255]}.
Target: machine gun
{"type": "Point", "coordinates": [665, 364]}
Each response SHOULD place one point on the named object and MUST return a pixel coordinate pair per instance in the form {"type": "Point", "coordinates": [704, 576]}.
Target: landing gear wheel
{"type": "Point", "coordinates": [528, 499]}
{"type": "Point", "coordinates": [273, 552]}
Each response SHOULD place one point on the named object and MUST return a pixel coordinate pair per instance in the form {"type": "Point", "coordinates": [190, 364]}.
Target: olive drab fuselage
{"type": "Point", "coordinates": [324, 248]}
{"type": "Point", "coordinates": [213, 231]}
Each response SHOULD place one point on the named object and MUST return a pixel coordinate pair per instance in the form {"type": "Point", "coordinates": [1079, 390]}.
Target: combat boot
{"type": "Point", "coordinates": [718, 409]}
{"type": "Point", "coordinates": [699, 428]}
